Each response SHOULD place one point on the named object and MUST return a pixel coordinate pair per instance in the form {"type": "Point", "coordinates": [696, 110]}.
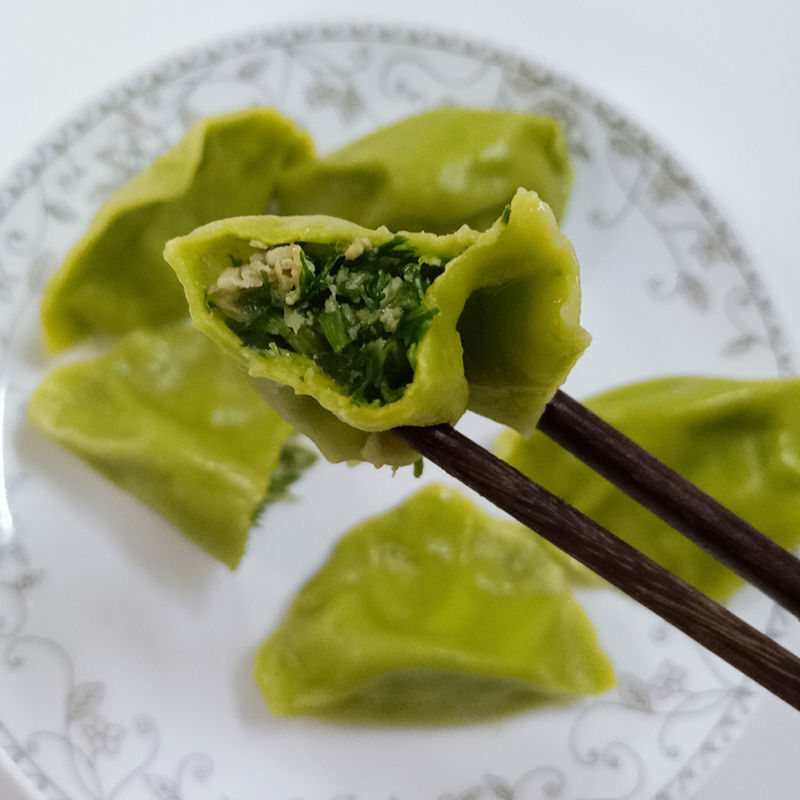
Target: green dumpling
{"type": "Point", "coordinates": [434, 171]}
{"type": "Point", "coordinates": [737, 440]}
{"type": "Point", "coordinates": [114, 279]}
{"type": "Point", "coordinates": [168, 417]}
{"type": "Point", "coordinates": [350, 332]}
{"type": "Point", "coordinates": [432, 612]}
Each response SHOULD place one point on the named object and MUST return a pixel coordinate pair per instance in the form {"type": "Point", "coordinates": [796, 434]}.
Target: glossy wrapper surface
{"type": "Point", "coordinates": [432, 612]}
{"type": "Point", "coordinates": [435, 171]}
{"type": "Point", "coordinates": [737, 440]}
{"type": "Point", "coordinates": [169, 418]}
{"type": "Point", "coordinates": [114, 279]}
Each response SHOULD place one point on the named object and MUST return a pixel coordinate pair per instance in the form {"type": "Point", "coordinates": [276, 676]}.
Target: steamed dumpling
{"type": "Point", "coordinates": [114, 279]}
{"type": "Point", "coordinates": [433, 612]}
{"type": "Point", "coordinates": [349, 332]}
{"type": "Point", "coordinates": [434, 171]}
{"type": "Point", "coordinates": [168, 417]}
{"type": "Point", "coordinates": [736, 440]}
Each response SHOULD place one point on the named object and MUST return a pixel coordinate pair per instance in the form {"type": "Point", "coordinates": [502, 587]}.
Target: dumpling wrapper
{"type": "Point", "coordinates": [432, 612]}
{"type": "Point", "coordinates": [434, 171]}
{"type": "Point", "coordinates": [737, 440]}
{"type": "Point", "coordinates": [114, 279]}
{"type": "Point", "coordinates": [505, 335]}
{"type": "Point", "coordinates": [168, 417]}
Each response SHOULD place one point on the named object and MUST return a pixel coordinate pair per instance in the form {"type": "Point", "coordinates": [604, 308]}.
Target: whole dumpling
{"type": "Point", "coordinates": [433, 612]}
{"type": "Point", "coordinates": [114, 278]}
{"type": "Point", "coordinates": [165, 415]}
{"type": "Point", "coordinates": [434, 171]}
{"type": "Point", "coordinates": [737, 440]}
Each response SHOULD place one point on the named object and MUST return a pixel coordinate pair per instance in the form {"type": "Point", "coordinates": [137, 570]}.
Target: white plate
{"type": "Point", "coordinates": [125, 652]}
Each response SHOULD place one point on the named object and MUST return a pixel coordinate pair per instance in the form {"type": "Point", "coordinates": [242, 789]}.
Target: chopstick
{"type": "Point", "coordinates": [732, 541]}
{"type": "Point", "coordinates": [706, 621]}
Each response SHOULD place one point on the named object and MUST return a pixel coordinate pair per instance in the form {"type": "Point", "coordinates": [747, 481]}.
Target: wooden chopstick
{"type": "Point", "coordinates": [699, 517]}
{"type": "Point", "coordinates": [706, 621]}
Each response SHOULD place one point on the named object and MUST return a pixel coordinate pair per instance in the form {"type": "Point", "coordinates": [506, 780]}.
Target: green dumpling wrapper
{"type": "Point", "coordinates": [736, 440]}
{"type": "Point", "coordinates": [168, 417]}
{"type": "Point", "coordinates": [502, 332]}
{"type": "Point", "coordinates": [432, 612]}
{"type": "Point", "coordinates": [114, 279]}
{"type": "Point", "coordinates": [434, 171]}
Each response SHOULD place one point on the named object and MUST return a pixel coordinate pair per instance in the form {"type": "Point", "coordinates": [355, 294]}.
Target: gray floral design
{"type": "Point", "coordinates": [341, 82]}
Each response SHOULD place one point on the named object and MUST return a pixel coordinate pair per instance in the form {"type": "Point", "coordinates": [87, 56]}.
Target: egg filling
{"type": "Point", "coordinates": [355, 310]}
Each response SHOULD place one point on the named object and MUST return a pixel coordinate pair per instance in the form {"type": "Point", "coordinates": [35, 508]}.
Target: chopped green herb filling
{"type": "Point", "coordinates": [358, 312]}
{"type": "Point", "coordinates": [293, 461]}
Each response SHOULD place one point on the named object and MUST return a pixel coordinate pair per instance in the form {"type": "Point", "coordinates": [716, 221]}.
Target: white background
{"type": "Point", "coordinates": [716, 82]}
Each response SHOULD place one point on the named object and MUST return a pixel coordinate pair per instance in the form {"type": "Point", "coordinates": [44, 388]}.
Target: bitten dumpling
{"type": "Point", "coordinates": [349, 332]}
{"type": "Point", "coordinates": [114, 279]}
{"type": "Point", "coordinates": [168, 417]}
{"type": "Point", "coordinates": [737, 440]}
{"type": "Point", "coordinates": [434, 171]}
{"type": "Point", "coordinates": [432, 612]}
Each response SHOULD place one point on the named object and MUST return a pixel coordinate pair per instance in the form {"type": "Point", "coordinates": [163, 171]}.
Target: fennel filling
{"type": "Point", "coordinates": [355, 310]}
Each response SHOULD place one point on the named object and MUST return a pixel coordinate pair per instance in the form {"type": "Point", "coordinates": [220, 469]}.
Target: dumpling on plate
{"type": "Point", "coordinates": [168, 417]}
{"type": "Point", "coordinates": [114, 279]}
{"type": "Point", "coordinates": [433, 612]}
{"type": "Point", "coordinates": [434, 171]}
{"type": "Point", "coordinates": [737, 440]}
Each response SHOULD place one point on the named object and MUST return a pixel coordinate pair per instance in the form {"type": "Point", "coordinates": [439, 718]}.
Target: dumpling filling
{"type": "Point", "coordinates": [355, 310]}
